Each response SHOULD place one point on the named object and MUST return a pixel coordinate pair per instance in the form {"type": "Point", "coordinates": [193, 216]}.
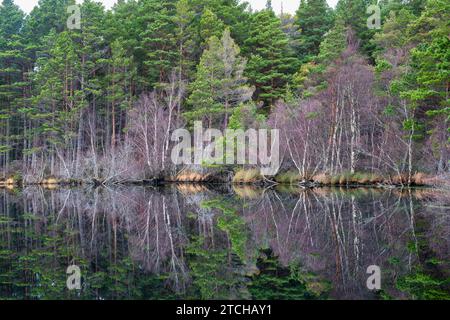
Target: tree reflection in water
{"type": "Point", "coordinates": [190, 241]}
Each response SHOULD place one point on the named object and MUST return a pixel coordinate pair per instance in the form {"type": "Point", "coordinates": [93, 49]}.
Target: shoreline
{"type": "Point", "coordinates": [54, 183]}
{"type": "Point", "coordinates": [245, 177]}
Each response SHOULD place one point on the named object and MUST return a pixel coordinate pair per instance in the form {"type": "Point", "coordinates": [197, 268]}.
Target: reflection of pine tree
{"type": "Point", "coordinates": [275, 282]}
{"type": "Point", "coordinates": [427, 280]}
{"type": "Point", "coordinates": [208, 270]}
{"type": "Point", "coordinates": [216, 264]}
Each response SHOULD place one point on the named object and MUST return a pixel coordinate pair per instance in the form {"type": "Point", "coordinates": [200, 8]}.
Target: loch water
{"type": "Point", "coordinates": [224, 242]}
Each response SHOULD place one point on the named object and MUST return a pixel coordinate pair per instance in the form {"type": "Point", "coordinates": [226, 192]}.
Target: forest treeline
{"type": "Point", "coordinates": [102, 101]}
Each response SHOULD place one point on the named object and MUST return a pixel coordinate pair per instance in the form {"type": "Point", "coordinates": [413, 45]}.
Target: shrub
{"type": "Point", "coordinates": [247, 176]}
{"type": "Point", "coordinates": [322, 178]}
{"type": "Point", "coordinates": [289, 177]}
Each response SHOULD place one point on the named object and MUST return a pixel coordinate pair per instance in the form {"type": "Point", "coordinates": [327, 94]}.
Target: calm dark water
{"type": "Point", "coordinates": [193, 242]}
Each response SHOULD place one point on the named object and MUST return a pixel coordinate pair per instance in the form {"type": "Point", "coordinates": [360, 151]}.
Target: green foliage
{"type": "Point", "coordinates": [49, 15]}
{"type": "Point", "coordinates": [11, 20]}
{"type": "Point", "coordinates": [271, 62]}
{"type": "Point", "coordinates": [210, 26]}
{"type": "Point", "coordinates": [334, 43]}
{"type": "Point", "coordinates": [306, 78]}
{"type": "Point", "coordinates": [314, 19]}
{"type": "Point", "coordinates": [418, 80]}
{"type": "Point", "coordinates": [232, 223]}
{"type": "Point", "coordinates": [209, 270]}
{"type": "Point", "coordinates": [246, 116]}
{"type": "Point", "coordinates": [353, 15]}
{"type": "Point", "coordinates": [12, 59]}
{"type": "Point", "coordinates": [276, 282]}
{"type": "Point", "coordinates": [394, 35]}
{"type": "Point", "coordinates": [424, 287]}
{"type": "Point", "coordinates": [120, 77]}
{"type": "Point", "coordinates": [219, 85]}
{"type": "Point", "coordinates": [156, 49]}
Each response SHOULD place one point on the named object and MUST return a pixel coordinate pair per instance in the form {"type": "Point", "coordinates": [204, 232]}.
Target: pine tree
{"type": "Point", "coordinates": [289, 27]}
{"type": "Point", "coordinates": [210, 26]}
{"type": "Point", "coordinates": [393, 33]}
{"type": "Point", "coordinates": [91, 47]}
{"type": "Point", "coordinates": [314, 19]}
{"type": "Point", "coordinates": [271, 61]}
{"type": "Point", "coordinates": [11, 20]}
{"type": "Point", "coordinates": [185, 37]}
{"type": "Point", "coordinates": [11, 77]}
{"type": "Point", "coordinates": [394, 6]}
{"type": "Point", "coordinates": [233, 14]}
{"type": "Point", "coordinates": [57, 99]}
{"type": "Point", "coordinates": [333, 44]}
{"type": "Point", "coordinates": [311, 76]}
{"type": "Point", "coordinates": [47, 15]}
{"type": "Point", "coordinates": [198, 20]}
{"type": "Point", "coordinates": [220, 85]}
{"type": "Point", "coordinates": [413, 60]}
{"type": "Point", "coordinates": [427, 84]}
{"type": "Point", "coordinates": [122, 22]}
{"type": "Point", "coordinates": [157, 47]}
{"type": "Point", "coordinates": [353, 14]}
{"type": "Point", "coordinates": [120, 77]}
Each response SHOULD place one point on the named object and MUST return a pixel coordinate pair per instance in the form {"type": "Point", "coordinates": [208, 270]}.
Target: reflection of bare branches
{"type": "Point", "coordinates": [149, 221]}
{"type": "Point", "coordinates": [333, 232]}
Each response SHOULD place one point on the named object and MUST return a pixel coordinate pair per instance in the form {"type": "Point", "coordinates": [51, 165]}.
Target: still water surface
{"type": "Point", "coordinates": [198, 242]}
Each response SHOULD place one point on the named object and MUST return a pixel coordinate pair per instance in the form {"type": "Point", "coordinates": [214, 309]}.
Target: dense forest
{"type": "Point", "coordinates": [102, 101]}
